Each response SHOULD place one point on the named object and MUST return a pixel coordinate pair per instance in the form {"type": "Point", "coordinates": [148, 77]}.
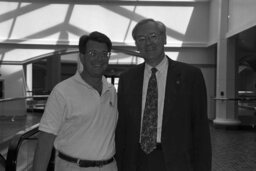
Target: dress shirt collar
{"type": "Point", "coordinates": [160, 67]}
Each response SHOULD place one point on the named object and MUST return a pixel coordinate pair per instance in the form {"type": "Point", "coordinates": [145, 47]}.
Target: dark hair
{"type": "Point", "coordinates": [94, 36]}
{"type": "Point", "coordinates": [159, 25]}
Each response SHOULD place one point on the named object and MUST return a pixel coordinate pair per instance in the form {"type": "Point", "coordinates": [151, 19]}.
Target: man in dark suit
{"type": "Point", "coordinates": [175, 97]}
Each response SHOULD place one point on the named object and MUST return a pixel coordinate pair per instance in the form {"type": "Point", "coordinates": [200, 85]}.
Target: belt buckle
{"type": "Point", "coordinates": [99, 164]}
{"type": "Point", "coordinates": [78, 162]}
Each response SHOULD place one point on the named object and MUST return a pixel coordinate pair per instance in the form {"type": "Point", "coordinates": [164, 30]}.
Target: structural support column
{"type": "Point", "coordinates": [53, 71]}
{"type": "Point", "coordinates": [226, 106]}
{"type": "Point", "coordinates": [29, 79]}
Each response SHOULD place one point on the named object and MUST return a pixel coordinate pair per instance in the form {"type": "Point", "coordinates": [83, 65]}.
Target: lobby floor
{"type": "Point", "coordinates": [233, 150]}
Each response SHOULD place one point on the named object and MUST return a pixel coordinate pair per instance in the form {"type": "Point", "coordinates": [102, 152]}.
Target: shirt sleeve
{"type": "Point", "coordinates": [54, 113]}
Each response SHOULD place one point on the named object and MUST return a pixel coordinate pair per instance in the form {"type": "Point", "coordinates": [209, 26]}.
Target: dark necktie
{"type": "Point", "coordinates": [149, 122]}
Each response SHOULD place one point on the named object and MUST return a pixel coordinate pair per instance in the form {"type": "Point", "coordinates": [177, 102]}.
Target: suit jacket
{"type": "Point", "coordinates": [185, 131]}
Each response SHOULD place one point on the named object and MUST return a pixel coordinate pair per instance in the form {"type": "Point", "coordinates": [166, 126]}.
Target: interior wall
{"type": "Point", "coordinates": [14, 86]}
{"type": "Point", "coordinates": [241, 15]}
{"type": "Point", "coordinates": [214, 20]}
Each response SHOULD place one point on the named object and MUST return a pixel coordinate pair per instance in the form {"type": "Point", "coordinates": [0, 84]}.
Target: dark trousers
{"type": "Point", "coordinates": [153, 161]}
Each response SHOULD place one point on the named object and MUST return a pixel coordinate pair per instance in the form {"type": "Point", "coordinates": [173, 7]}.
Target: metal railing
{"type": "Point", "coordinates": [16, 160]}
{"type": "Point", "coordinates": [21, 98]}
{"type": "Point", "coordinates": [15, 145]}
{"type": "Point", "coordinates": [2, 162]}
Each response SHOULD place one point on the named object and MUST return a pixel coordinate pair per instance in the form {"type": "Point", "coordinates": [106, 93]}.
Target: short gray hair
{"type": "Point", "coordinates": [159, 24]}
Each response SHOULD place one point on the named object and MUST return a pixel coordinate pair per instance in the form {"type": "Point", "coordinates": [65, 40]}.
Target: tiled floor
{"type": "Point", "coordinates": [233, 150]}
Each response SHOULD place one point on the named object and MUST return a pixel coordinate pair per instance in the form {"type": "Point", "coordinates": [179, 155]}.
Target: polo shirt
{"type": "Point", "coordinates": [83, 121]}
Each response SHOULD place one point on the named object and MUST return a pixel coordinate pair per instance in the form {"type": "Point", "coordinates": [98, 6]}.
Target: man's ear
{"type": "Point", "coordinates": [81, 57]}
{"type": "Point", "coordinates": [80, 62]}
{"type": "Point", "coordinates": [137, 46]}
{"type": "Point", "coordinates": [164, 38]}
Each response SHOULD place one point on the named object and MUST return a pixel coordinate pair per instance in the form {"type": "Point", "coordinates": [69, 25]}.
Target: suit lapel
{"type": "Point", "coordinates": [137, 93]}
{"type": "Point", "coordinates": [173, 85]}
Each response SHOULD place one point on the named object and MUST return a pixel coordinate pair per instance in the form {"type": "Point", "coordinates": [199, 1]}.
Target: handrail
{"type": "Point", "coordinates": [236, 99]}
{"type": "Point", "coordinates": [2, 161]}
{"type": "Point", "coordinates": [13, 149]}
{"type": "Point", "coordinates": [20, 98]}
{"type": "Point", "coordinates": [65, 52]}
{"type": "Point", "coordinates": [249, 107]}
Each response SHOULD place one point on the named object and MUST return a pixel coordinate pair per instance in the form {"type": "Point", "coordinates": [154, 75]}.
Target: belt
{"type": "Point", "coordinates": [85, 163]}
{"type": "Point", "coordinates": [158, 146]}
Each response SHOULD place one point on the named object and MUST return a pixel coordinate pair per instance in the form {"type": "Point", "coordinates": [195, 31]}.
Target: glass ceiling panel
{"type": "Point", "coordinates": [6, 7]}
{"type": "Point", "coordinates": [51, 24]}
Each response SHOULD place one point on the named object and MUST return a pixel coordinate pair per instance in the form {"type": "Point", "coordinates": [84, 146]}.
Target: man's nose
{"type": "Point", "coordinates": [100, 57]}
{"type": "Point", "coordinates": [148, 40]}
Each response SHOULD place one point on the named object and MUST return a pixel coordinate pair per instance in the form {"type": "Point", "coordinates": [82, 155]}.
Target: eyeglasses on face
{"type": "Point", "coordinates": [94, 53]}
{"type": "Point", "coordinates": [151, 36]}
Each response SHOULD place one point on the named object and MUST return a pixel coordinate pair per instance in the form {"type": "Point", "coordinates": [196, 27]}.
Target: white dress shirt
{"type": "Point", "coordinates": [161, 75]}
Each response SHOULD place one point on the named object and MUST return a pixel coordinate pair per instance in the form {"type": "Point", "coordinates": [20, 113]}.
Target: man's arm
{"type": "Point", "coordinates": [120, 129]}
{"type": "Point", "coordinates": [201, 132]}
{"type": "Point", "coordinates": [43, 151]}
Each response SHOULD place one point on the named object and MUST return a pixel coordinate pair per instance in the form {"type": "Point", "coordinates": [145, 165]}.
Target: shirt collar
{"type": "Point", "coordinates": [105, 84]}
{"type": "Point", "coordinates": [160, 67]}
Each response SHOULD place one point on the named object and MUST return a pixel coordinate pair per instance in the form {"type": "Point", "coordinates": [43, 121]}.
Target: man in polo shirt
{"type": "Point", "coordinates": [81, 114]}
